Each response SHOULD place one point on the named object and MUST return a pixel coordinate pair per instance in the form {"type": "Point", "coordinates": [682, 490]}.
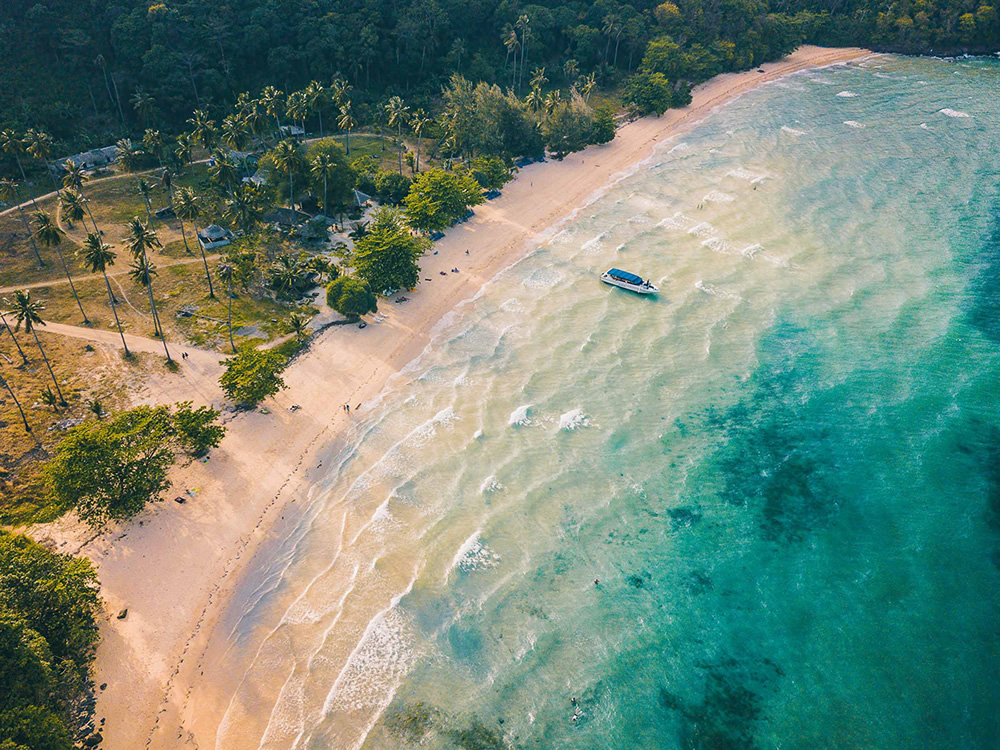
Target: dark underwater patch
{"type": "Point", "coordinates": [984, 289]}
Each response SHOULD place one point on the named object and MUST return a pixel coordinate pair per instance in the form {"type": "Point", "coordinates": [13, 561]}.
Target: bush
{"type": "Point", "coordinates": [252, 375]}
{"type": "Point", "coordinates": [647, 93]}
{"type": "Point", "coordinates": [391, 187]}
{"type": "Point", "coordinates": [351, 297]}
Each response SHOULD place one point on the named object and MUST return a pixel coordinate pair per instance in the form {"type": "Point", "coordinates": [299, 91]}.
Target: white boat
{"type": "Point", "coordinates": [626, 280]}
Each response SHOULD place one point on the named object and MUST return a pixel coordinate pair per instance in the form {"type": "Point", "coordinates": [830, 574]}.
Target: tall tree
{"type": "Point", "coordinates": [39, 145]}
{"type": "Point", "coordinates": [397, 116]}
{"type": "Point", "coordinates": [74, 177]}
{"type": "Point", "coordinates": [28, 313]}
{"type": "Point", "coordinates": [317, 99]}
{"type": "Point", "coordinates": [6, 325]}
{"type": "Point", "coordinates": [188, 207]}
{"type": "Point", "coordinates": [226, 272]}
{"type": "Point", "coordinates": [145, 191]}
{"type": "Point", "coordinates": [273, 102]}
{"type": "Point", "coordinates": [288, 159]}
{"type": "Point", "coordinates": [12, 144]}
{"type": "Point", "coordinates": [13, 396]}
{"type": "Point", "coordinates": [9, 193]}
{"type": "Point", "coordinates": [50, 235]}
{"type": "Point", "coordinates": [143, 103]}
{"type": "Point", "coordinates": [346, 123]}
{"type": "Point", "coordinates": [418, 122]}
{"type": "Point", "coordinates": [139, 241]}
{"type": "Point", "coordinates": [100, 257]}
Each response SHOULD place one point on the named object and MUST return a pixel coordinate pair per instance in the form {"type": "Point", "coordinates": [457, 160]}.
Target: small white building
{"type": "Point", "coordinates": [293, 130]}
{"type": "Point", "coordinates": [96, 158]}
{"type": "Point", "coordinates": [214, 236]}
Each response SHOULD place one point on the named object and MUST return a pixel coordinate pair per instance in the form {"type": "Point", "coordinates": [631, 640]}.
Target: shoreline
{"type": "Point", "coordinates": [176, 567]}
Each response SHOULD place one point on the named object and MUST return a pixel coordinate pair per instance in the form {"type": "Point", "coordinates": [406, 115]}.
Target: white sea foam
{"type": "Point", "coordinates": [642, 218]}
{"type": "Point", "coordinates": [621, 247]}
{"type": "Point", "coordinates": [924, 126]}
{"type": "Point", "coordinates": [718, 245]}
{"type": "Point", "coordinates": [746, 174]}
{"type": "Point", "coordinates": [717, 196]}
{"type": "Point", "coordinates": [847, 95]}
{"type": "Point", "coordinates": [751, 250]}
{"type": "Point", "coordinates": [474, 554]}
{"type": "Point", "coordinates": [702, 229]}
{"type": "Point", "coordinates": [490, 485]}
{"type": "Point", "coordinates": [949, 112]}
{"type": "Point", "coordinates": [594, 244]}
{"type": "Point", "coordinates": [520, 417]}
{"type": "Point", "coordinates": [573, 420]}
{"type": "Point", "coordinates": [542, 278]}
{"type": "Point", "coordinates": [679, 147]}
{"type": "Point", "coordinates": [792, 131]}
{"type": "Point", "coordinates": [678, 221]}
{"type": "Point", "coordinates": [716, 291]}
{"type": "Point", "coordinates": [853, 124]}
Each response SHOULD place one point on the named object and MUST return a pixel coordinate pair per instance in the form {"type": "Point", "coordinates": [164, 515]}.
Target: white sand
{"type": "Point", "coordinates": [174, 566]}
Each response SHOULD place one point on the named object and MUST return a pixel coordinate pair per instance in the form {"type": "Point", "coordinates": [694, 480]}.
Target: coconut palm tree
{"type": "Point", "coordinates": [183, 148]}
{"type": "Point", "coordinates": [127, 155]}
{"type": "Point", "coordinates": [339, 89]}
{"type": "Point", "coordinates": [512, 44]}
{"type": "Point", "coordinates": [551, 101]}
{"type": "Point", "coordinates": [417, 123]}
{"type": "Point", "coordinates": [235, 132]}
{"type": "Point", "coordinates": [346, 123]}
{"type": "Point", "coordinates": [9, 193]}
{"type": "Point", "coordinates": [323, 165]}
{"type": "Point", "coordinates": [75, 177]}
{"type": "Point", "coordinates": [297, 109]}
{"type": "Point", "coordinates": [317, 99]}
{"type": "Point", "coordinates": [524, 24]}
{"type": "Point", "coordinates": [49, 234]}
{"type": "Point", "coordinates": [223, 171]}
{"type": "Point", "coordinates": [142, 272]}
{"type": "Point", "coordinates": [139, 240]}
{"type": "Point", "coordinates": [100, 257]}
{"type": "Point", "coordinates": [24, 419]}
{"type": "Point", "coordinates": [287, 158]}
{"type": "Point", "coordinates": [273, 102]}
{"type": "Point", "coordinates": [397, 116]}
{"type": "Point", "coordinates": [299, 325]}
{"type": "Point", "coordinates": [146, 191]}
{"type": "Point", "coordinates": [12, 144]}
{"type": "Point", "coordinates": [572, 69]}
{"type": "Point", "coordinates": [203, 128]}
{"type": "Point", "coordinates": [534, 99]}
{"type": "Point", "coordinates": [39, 145]}
{"type": "Point", "coordinates": [188, 207]}
{"type": "Point", "coordinates": [3, 319]}
{"type": "Point", "coordinates": [226, 273]}
{"type": "Point", "coordinates": [152, 141]}
{"type": "Point", "coordinates": [588, 85]}
{"type": "Point", "coordinates": [72, 204]}
{"type": "Point", "coordinates": [244, 207]}
{"type": "Point", "coordinates": [28, 313]}
{"type": "Point", "coordinates": [143, 103]}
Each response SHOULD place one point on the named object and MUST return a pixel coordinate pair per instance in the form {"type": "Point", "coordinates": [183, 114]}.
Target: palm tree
{"type": "Point", "coordinates": [571, 68]}
{"type": "Point", "coordinates": [24, 419]}
{"type": "Point", "coordinates": [588, 85]}
{"type": "Point", "coordinates": [317, 100]}
{"type": "Point", "coordinates": [226, 273]}
{"type": "Point", "coordinates": [142, 103]}
{"type": "Point", "coordinates": [417, 122]}
{"type": "Point", "coordinates": [3, 319]}
{"type": "Point", "coordinates": [340, 88]}
{"type": "Point", "coordinates": [144, 189]}
{"type": "Point", "coordinates": [12, 144]}
{"type": "Point", "coordinates": [273, 102]}
{"type": "Point", "coordinates": [323, 166]}
{"type": "Point", "coordinates": [183, 149]}
{"type": "Point", "coordinates": [140, 239]}
{"type": "Point", "coordinates": [127, 155]}
{"type": "Point", "coordinates": [72, 206]}
{"type": "Point", "coordinates": [551, 101]}
{"type": "Point", "coordinates": [152, 141]}
{"type": "Point", "coordinates": [27, 312]}
{"type": "Point", "coordinates": [524, 24]}
{"type": "Point", "coordinates": [244, 207]}
{"type": "Point", "coordinates": [346, 123]}
{"type": "Point", "coordinates": [297, 109]}
{"type": "Point", "coordinates": [95, 406]}
{"type": "Point", "coordinates": [224, 172]}
{"type": "Point", "coordinates": [9, 193]}
{"type": "Point", "coordinates": [299, 325]}
{"type": "Point", "coordinates": [534, 99]}
{"type": "Point", "coordinates": [397, 116]}
{"type": "Point", "coordinates": [287, 158]}
{"type": "Point", "coordinates": [50, 235]}
{"type": "Point", "coordinates": [39, 145]}
{"type": "Point", "coordinates": [538, 79]}
{"type": "Point", "coordinates": [142, 272]}
{"type": "Point", "coordinates": [188, 206]}
{"type": "Point", "coordinates": [512, 44]}
{"type": "Point", "coordinates": [75, 177]}
{"type": "Point", "coordinates": [99, 257]}
{"type": "Point", "coordinates": [235, 132]}
{"type": "Point", "coordinates": [203, 128]}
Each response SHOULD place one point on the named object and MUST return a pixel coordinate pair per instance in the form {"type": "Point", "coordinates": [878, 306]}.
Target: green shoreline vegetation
{"type": "Point", "coordinates": [426, 107]}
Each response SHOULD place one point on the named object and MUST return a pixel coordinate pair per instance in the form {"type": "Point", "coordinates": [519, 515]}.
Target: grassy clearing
{"type": "Point", "coordinates": [83, 375]}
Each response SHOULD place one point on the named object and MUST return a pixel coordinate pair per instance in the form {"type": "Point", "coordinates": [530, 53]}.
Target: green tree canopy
{"type": "Point", "coordinates": [110, 470]}
{"type": "Point", "coordinates": [330, 173]}
{"type": "Point", "coordinates": [387, 256]}
{"type": "Point", "coordinates": [491, 172]}
{"type": "Point", "coordinates": [437, 199]}
{"type": "Point", "coordinates": [351, 297]}
{"type": "Point", "coordinates": [252, 375]}
{"type": "Point", "coordinates": [647, 93]}
{"type": "Point", "coordinates": [197, 431]}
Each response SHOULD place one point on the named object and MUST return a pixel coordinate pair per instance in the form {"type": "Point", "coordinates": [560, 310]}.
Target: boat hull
{"type": "Point", "coordinates": [650, 289]}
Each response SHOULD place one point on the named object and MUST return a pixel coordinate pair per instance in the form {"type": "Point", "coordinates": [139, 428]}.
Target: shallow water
{"type": "Point", "coordinates": [761, 509]}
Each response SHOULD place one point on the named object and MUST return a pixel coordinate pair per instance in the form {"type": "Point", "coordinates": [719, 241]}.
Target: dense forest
{"type": "Point", "coordinates": [89, 71]}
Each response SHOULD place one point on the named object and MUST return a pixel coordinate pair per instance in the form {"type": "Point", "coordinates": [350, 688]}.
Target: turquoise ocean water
{"type": "Point", "coordinates": [783, 472]}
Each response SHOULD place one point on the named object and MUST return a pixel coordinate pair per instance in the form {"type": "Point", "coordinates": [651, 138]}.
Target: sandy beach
{"type": "Point", "coordinates": [176, 565]}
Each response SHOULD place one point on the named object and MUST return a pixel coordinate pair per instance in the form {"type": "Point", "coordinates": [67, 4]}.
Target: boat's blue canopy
{"type": "Point", "coordinates": [631, 278]}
